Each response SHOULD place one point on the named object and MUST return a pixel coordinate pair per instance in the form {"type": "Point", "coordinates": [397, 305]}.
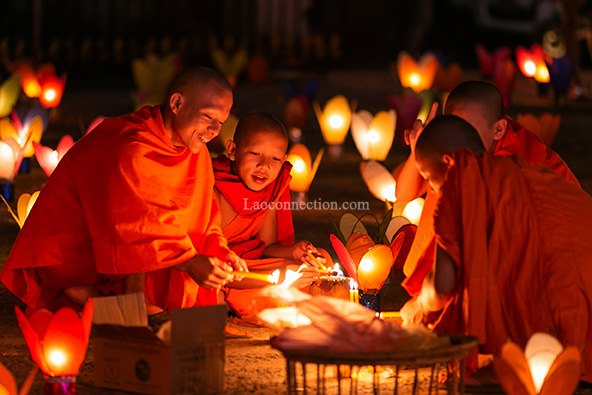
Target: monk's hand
{"type": "Point", "coordinates": [412, 313]}
{"type": "Point", "coordinates": [236, 262]}
{"type": "Point", "coordinates": [307, 253]}
{"type": "Point", "coordinates": [308, 274]}
{"type": "Point", "coordinates": [208, 272]}
{"type": "Point", "coordinates": [411, 135]}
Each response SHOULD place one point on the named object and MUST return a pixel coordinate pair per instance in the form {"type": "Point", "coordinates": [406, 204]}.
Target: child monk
{"type": "Point", "coordinates": [513, 250]}
{"type": "Point", "coordinates": [253, 192]}
{"type": "Point", "coordinates": [479, 103]}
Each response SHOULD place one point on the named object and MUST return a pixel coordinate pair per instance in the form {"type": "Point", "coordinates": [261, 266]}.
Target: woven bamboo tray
{"type": "Point", "coordinates": [451, 358]}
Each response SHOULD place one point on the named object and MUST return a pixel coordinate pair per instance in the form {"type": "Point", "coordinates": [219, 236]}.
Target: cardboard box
{"type": "Point", "coordinates": [130, 357]}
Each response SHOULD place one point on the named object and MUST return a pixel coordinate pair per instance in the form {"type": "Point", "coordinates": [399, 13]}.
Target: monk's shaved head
{"type": "Point", "coordinates": [482, 94]}
{"type": "Point", "coordinates": [446, 134]}
{"type": "Point", "coordinates": [194, 79]}
{"type": "Point", "coordinates": [258, 122]}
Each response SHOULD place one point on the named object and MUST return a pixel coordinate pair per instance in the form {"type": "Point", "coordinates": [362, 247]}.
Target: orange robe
{"type": "Point", "coordinates": [520, 237]}
{"type": "Point", "coordinates": [517, 140]}
{"type": "Point", "coordinates": [122, 200]}
{"type": "Point", "coordinates": [242, 232]}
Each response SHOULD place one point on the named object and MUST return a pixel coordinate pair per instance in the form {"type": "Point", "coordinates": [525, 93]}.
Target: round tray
{"type": "Point", "coordinates": [459, 348]}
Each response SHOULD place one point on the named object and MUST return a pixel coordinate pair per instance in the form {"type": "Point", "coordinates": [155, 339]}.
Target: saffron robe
{"type": "Point", "coordinates": [518, 140]}
{"type": "Point", "coordinates": [520, 237]}
{"type": "Point", "coordinates": [242, 232]}
{"type": "Point", "coordinates": [123, 200]}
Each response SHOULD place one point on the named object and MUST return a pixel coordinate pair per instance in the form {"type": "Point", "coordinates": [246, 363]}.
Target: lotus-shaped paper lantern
{"type": "Point", "coordinates": [57, 341]}
{"type": "Point", "coordinates": [489, 61]}
{"type": "Point", "coordinates": [25, 134]}
{"type": "Point", "coordinates": [373, 136]}
{"type": "Point", "coordinates": [153, 75]}
{"type": "Point", "coordinates": [24, 205]}
{"type": "Point", "coordinates": [28, 80]}
{"type": "Point", "coordinates": [230, 61]}
{"type": "Point", "coordinates": [545, 126]}
{"type": "Point", "coordinates": [532, 62]}
{"type": "Point", "coordinates": [49, 158]}
{"type": "Point", "coordinates": [52, 86]}
{"type": "Point", "coordinates": [413, 209]}
{"type": "Point", "coordinates": [407, 107]}
{"type": "Point", "coordinates": [417, 75]}
{"type": "Point", "coordinates": [11, 155]}
{"type": "Point", "coordinates": [8, 383]}
{"type": "Point", "coordinates": [9, 93]}
{"type": "Point", "coordinates": [379, 180]}
{"type": "Point", "coordinates": [303, 171]}
{"type": "Point", "coordinates": [544, 367]}
{"type": "Point", "coordinates": [447, 77]}
{"type": "Point", "coordinates": [334, 120]}
{"type": "Point", "coordinates": [504, 76]}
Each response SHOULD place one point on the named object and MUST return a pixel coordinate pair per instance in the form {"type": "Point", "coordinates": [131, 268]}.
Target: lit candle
{"type": "Point", "coordinates": [315, 260]}
{"type": "Point", "coordinates": [254, 276]}
{"type": "Point", "coordinates": [354, 295]}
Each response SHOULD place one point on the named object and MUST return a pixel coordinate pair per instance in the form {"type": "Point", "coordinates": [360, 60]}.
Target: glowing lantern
{"type": "Point", "coordinates": [303, 171]}
{"type": "Point", "coordinates": [373, 136]}
{"type": "Point", "coordinates": [375, 267]}
{"type": "Point", "coordinates": [7, 382]}
{"type": "Point", "coordinates": [9, 158]}
{"type": "Point", "coordinates": [9, 93]}
{"type": "Point", "coordinates": [407, 107]}
{"type": "Point", "coordinates": [413, 209]}
{"type": "Point", "coordinates": [489, 61]}
{"type": "Point", "coordinates": [532, 62]}
{"type": "Point", "coordinates": [57, 343]}
{"type": "Point", "coordinates": [25, 134]}
{"type": "Point", "coordinates": [418, 76]}
{"type": "Point", "coordinates": [504, 76]}
{"type": "Point", "coordinates": [545, 126]}
{"type": "Point", "coordinates": [24, 205]}
{"type": "Point", "coordinates": [334, 121]}
{"type": "Point", "coordinates": [447, 77]}
{"type": "Point", "coordinates": [52, 89]}
{"type": "Point", "coordinates": [49, 158]}
{"type": "Point", "coordinates": [544, 367]}
{"type": "Point", "coordinates": [28, 79]}
{"type": "Point", "coordinates": [379, 181]}
{"type": "Point", "coordinates": [229, 61]}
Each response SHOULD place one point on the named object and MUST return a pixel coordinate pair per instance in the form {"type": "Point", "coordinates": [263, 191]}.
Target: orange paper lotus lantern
{"type": "Point", "coordinates": [532, 62]}
{"type": "Point", "coordinates": [43, 83]}
{"type": "Point", "coordinates": [417, 75]}
{"type": "Point", "coordinates": [334, 120]}
{"type": "Point", "coordinates": [374, 135]}
{"type": "Point", "coordinates": [375, 267]}
{"type": "Point", "coordinates": [57, 342]}
{"type": "Point", "coordinates": [303, 171]}
{"type": "Point", "coordinates": [545, 126]}
{"type": "Point", "coordinates": [28, 79]}
{"type": "Point", "coordinates": [447, 77]}
{"type": "Point", "coordinates": [49, 158]}
{"type": "Point", "coordinates": [544, 367]}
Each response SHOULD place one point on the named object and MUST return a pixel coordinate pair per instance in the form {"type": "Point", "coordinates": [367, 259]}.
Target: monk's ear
{"type": "Point", "coordinates": [500, 127]}
{"type": "Point", "coordinates": [448, 160]}
{"type": "Point", "coordinates": [231, 149]}
{"type": "Point", "coordinates": [175, 102]}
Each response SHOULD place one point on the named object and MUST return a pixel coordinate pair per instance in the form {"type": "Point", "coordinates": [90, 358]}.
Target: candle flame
{"type": "Point", "coordinates": [337, 270]}
{"type": "Point", "coordinates": [274, 277]}
{"type": "Point", "coordinates": [291, 276]}
{"type": "Point", "coordinates": [335, 121]}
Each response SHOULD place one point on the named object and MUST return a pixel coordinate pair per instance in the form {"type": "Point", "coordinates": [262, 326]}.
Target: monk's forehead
{"type": "Point", "coordinates": [256, 134]}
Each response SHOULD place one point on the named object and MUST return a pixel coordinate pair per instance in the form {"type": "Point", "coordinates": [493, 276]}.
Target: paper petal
{"type": "Point", "coordinates": [344, 257]}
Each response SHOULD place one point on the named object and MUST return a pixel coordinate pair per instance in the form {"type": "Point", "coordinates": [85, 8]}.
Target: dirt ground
{"type": "Point", "coordinates": [252, 366]}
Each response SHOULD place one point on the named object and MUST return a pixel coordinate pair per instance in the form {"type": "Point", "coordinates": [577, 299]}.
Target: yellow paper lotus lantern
{"type": "Point", "coordinates": [24, 134]}
{"type": "Point", "coordinates": [28, 80]}
{"type": "Point", "coordinates": [334, 120]}
{"type": "Point", "coordinates": [24, 205]}
{"type": "Point", "coordinates": [303, 171]}
{"type": "Point", "coordinates": [153, 75]}
{"type": "Point", "coordinates": [544, 367]}
{"type": "Point", "coordinates": [374, 135]}
{"type": "Point", "coordinates": [545, 126]}
{"type": "Point", "coordinates": [228, 61]}
{"type": "Point", "coordinates": [9, 93]}
{"type": "Point", "coordinates": [379, 180]}
{"type": "Point", "coordinates": [417, 75]}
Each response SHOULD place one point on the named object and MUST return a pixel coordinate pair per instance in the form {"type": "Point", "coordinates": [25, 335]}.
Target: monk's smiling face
{"type": "Point", "coordinates": [258, 157]}
{"type": "Point", "coordinates": [198, 115]}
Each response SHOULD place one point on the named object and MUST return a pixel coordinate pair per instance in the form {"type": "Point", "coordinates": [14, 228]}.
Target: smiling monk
{"type": "Point", "coordinates": [252, 186]}
{"type": "Point", "coordinates": [130, 208]}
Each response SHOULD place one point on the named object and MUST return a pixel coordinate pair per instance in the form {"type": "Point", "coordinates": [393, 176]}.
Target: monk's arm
{"type": "Point", "coordinates": [440, 283]}
{"type": "Point", "coordinates": [410, 184]}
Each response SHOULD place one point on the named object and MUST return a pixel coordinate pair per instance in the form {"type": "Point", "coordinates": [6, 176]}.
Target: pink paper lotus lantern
{"type": "Point", "coordinates": [49, 158]}
{"type": "Point", "coordinates": [489, 61]}
{"type": "Point", "coordinates": [57, 343]}
{"type": "Point", "coordinates": [532, 62]}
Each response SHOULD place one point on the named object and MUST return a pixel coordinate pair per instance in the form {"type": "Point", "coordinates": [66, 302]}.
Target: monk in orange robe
{"type": "Point", "coordinates": [513, 250]}
{"type": "Point", "coordinates": [480, 104]}
{"type": "Point", "coordinates": [252, 186]}
{"type": "Point", "coordinates": [130, 208]}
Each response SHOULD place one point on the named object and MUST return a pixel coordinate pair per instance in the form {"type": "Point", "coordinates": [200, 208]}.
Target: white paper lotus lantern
{"type": "Point", "coordinates": [379, 180]}
{"type": "Point", "coordinates": [374, 135]}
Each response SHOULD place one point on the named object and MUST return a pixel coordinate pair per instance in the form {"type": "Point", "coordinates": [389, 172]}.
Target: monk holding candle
{"type": "Point", "coordinates": [480, 104]}
{"type": "Point", "coordinates": [130, 208]}
{"type": "Point", "coordinates": [513, 250]}
{"type": "Point", "coordinates": [252, 186]}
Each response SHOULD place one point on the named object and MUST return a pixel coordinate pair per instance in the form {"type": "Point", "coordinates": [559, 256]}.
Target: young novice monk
{"type": "Point", "coordinates": [252, 189]}
{"type": "Point", "coordinates": [480, 104]}
{"type": "Point", "coordinates": [513, 250]}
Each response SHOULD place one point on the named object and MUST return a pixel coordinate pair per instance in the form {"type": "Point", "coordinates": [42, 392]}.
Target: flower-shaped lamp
{"type": "Point", "coordinates": [49, 158]}
{"type": "Point", "coordinates": [544, 367]}
{"type": "Point", "coordinates": [545, 126]}
{"type": "Point", "coordinates": [334, 120]}
{"type": "Point", "coordinates": [152, 76]}
{"type": "Point", "coordinates": [532, 62]}
{"type": "Point", "coordinates": [413, 209]}
{"type": "Point", "coordinates": [9, 93]}
{"type": "Point", "coordinates": [57, 342]}
{"type": "Point", "coordinates": [25, 134]}
{"type": "Point", "coordinates": [417, 75]}
{"type": "Point", "coordinates": [303, 171]}
{"type": "Point", "coordinates": [373, 136]}
{"type": "Point", "coordinates": [379, 180]}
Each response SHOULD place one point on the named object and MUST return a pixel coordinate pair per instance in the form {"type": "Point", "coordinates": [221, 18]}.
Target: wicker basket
{"type": "Point", "coordinates": [323, 372]}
